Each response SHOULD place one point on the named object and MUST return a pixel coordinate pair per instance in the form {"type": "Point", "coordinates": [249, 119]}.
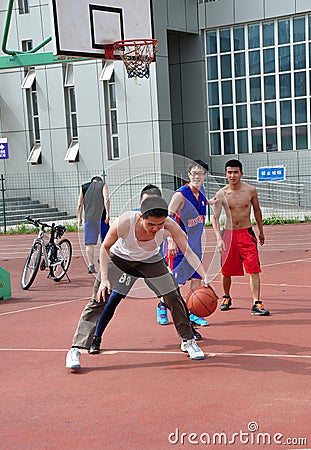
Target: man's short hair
{"type": "Point", "coordinates": [234, 163]}
{"type": "Point", "coordinates": [154, 207]}
{"type": "Point", "coordinates": [96, 178]}
{"type": "Point", "coordinates": [151, 189]}
{"type": "Point", "coordinates": [198, 162]}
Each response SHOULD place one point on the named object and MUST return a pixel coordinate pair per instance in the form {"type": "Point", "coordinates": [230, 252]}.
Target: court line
{"type": "Point", "coordinates": [43, 306]}
{"type": "Point", "coordinates": [160, 352]}
{"type": "Point", "coordinates": [246, 283]}
{"type": "Point", "coordinates": [287, 262]}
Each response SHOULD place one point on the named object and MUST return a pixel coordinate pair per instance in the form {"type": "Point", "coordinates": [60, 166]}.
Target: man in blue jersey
{"type": "Point", "coordinates": [188, 208]}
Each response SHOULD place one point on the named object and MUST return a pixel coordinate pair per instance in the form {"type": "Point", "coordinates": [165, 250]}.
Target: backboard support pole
{"type": "Point", "coordinates": [6, 33]}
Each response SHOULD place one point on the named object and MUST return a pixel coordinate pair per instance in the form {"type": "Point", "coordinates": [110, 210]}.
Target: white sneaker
{"type": "Point", "coordinates": [73, 359]}
{"type": "Point", "coordinates": [192, 348]}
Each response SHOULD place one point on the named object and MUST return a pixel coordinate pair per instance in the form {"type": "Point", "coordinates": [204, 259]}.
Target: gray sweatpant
{"type": "Point", "coordinates": [122, 275]}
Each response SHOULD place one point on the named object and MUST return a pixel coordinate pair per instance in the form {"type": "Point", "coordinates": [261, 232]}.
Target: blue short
{"type": "Point", "coordinates": [93, 229]}
{"type": "Point", "coordinates": [182, 270]}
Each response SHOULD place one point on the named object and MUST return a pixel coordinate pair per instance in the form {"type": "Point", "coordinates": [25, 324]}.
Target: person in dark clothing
{"type": "Point", "coordinates": [94, 200]}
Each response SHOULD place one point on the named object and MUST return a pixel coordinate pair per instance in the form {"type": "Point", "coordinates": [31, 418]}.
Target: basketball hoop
{"type": "Point", "coordinates": [136, 55]}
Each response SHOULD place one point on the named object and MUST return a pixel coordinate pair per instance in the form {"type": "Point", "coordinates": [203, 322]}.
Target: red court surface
{"type": "Point", "coordinates": [142, 392]}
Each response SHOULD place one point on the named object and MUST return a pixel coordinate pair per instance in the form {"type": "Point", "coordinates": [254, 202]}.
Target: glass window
{"type": "Point", "coordinates": [114, 121]}
{"type": "Point", "coordinates": [242, 141]}
{"type": "Point", "coordinates": [225, 63]}
{"type": "Point", "coordinates": [268, 60]}
{"type": "Point", "coordinates": [286, 138]}
{"type": "Point", "coordinates": [286, 112]}
{"type": "Point", "coordinates": [257, 144]}
{"type": "Point", "coordinates": [212, 69]}
{"type": "Point", "coordinates": [301, 110]}
{"type": "Point", "coordinates": [285, 85]}
{"type": "Point", "coordinates": [238, 38]}
{"type": "Point", "coordinates": [112, 95]}
{"type": "Point", "coordinates": [268, 34]}
{"type": "Point", "coordinates": [254, 62]}
{"type": "Point", "coordinates": [228, 143]}
{"type": "Point", "coordinates": [226, 92]}
{"type": "Point", "coordinates": [253, 36]}
{"type": "Point", "coordinates": [27, 45]}
{"type": "Point", "coordinates": [215, 144]}
{"type": "Point", "coordinates": [239, 64]}
{"type": "Point", "coordinates": [299, 29]}
{"type": "Point", "coordinates": [74, 126]}
{"type": "Point", "coordinates": [241, 116]}
{"type": "Point", "coordinates": [72, 100]}
{"type": "Point", "coordinates": [270, 113]}
{"type": "Point", "coordinates": [115, 146]}
{"type": "Point", "coordinates": [255, 89]}
{"type": "Point", "coordinates": [112, 118]}
{"type": "Point", "coordinates": [299, 56]}
{"type": "Point", "coordinates": [301, 138]}
{"type": "Point", "coordinates": [271, 140]}
{"type": "Point", "coordinates": [256, 115]}
{"type": "Point", "coordinates": [213, 94]}
{"type": "Point", "coordinates": [211, 42]}
{"type": "Point", "coordinates": [284, 59]}
{"type": "Point", "coordinates": [284, 31]}
{"type": "Point", "coordinates": [227, 117]}
{"type": "Point", "coordinates": [300, 84]}
{"type": "Point", "coordinates": [269, 87]}
{"type": "Point", "coordinates": [34, 101]}
{"type": "Point", "coordinates": [214, 119]}
{"type": "Point", "coordinates": [37, 128]}
{"type": "Point", "coordinates": [269, 100]}
{"type": "Point", "coordinates": [240, 90]}
{"type": "Point", "coordinates": [225, 41]}
{"type": "Point", "coordinates": [23, 6]}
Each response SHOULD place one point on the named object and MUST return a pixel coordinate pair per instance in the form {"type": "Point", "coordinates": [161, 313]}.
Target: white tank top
{"type": "Point", "coordinates": [131, 249]}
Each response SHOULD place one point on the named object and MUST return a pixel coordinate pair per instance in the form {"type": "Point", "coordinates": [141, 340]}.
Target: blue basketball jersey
{"type": "Point", "coordinates": [191, 217]}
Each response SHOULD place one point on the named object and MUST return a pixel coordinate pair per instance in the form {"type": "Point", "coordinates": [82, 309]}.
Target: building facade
{"type": "Point", "coordinates": [232, 78]}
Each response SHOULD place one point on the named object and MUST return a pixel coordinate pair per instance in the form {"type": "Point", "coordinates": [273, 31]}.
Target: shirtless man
{"type": "Point", "coordinates": [238, 243]}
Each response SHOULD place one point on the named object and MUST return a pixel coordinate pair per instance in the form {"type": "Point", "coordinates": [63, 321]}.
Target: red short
{"type": "Point", "coordinates": [241, 250]}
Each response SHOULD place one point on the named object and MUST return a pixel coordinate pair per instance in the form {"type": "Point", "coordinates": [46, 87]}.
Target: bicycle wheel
{"type": "Point", "coordinates": [31, 266]}
{"type": "Point", "coordinates": [64, 253]}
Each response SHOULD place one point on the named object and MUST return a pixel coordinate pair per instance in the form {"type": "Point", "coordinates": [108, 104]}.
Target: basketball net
{"type": "Point", "coordinates": [136, 55]}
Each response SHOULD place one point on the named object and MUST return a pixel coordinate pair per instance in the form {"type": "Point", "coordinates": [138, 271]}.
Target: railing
{"type": "Point", "coordinates": [288, 199]}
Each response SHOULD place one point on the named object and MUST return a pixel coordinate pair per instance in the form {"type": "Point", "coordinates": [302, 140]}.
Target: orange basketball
{"type": "Point", "coordinates": [202, 301]}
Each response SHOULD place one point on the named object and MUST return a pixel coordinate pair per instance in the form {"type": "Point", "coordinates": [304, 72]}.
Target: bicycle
{"type": "Point", "coordinates": [54, 255]}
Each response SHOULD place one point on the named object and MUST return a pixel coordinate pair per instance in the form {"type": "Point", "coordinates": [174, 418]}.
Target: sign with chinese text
{"type": "Point", "coordinates": [271, 173]}
{"type": "Point", "coordinates": [4, 148]}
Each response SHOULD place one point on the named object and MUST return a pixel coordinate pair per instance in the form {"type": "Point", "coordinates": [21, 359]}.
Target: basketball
{"type": "Point", "coordinates": [202, 301]}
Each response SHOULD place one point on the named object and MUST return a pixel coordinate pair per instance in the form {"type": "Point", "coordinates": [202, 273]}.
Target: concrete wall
{"type": "Point", "coordinates": [137, 108]}
{"type": "Point", "coordinates": [228, 12]}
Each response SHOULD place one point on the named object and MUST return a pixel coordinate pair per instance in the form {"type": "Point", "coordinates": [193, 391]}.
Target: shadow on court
{"type": "Point", "coordinates": [141, 391]}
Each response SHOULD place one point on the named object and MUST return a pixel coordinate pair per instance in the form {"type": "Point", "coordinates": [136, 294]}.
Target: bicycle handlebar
{"type": "Point", "coordinates": [38, 222]}
{"type": "Point", "coordinates": [58, 229]}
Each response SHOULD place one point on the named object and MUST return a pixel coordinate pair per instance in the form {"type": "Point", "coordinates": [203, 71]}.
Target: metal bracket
{"type": "Point", "coordinates": [6, 32]}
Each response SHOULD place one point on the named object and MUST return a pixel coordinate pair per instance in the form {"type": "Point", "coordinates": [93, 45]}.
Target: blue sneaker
{"type": "Point", "coordinates": [162, 314]}
{"type": "Point", "coordinates": [199, 321]}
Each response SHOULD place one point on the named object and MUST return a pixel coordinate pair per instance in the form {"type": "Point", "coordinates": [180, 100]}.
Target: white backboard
{"type": "Point", "coordinates": [84, 27]}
